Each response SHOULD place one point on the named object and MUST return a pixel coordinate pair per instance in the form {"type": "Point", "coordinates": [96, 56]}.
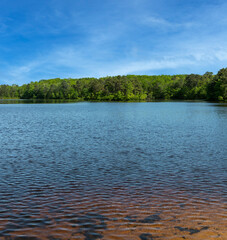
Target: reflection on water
{"type": "Point", "coordinates": [27, 101]}
{"type": "Point", "coordinates": [113, 171]}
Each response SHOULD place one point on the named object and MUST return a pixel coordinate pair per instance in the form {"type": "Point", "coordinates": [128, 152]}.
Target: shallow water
{"type": "Point", "coordinates": [113, 171]}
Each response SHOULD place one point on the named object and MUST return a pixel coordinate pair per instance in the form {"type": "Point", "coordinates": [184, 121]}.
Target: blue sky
{"type": "Point", "coordinates": [42, 39]}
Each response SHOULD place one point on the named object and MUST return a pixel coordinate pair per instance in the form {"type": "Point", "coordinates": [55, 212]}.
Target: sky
{"type": "Point", "coordinates": [42, 39]}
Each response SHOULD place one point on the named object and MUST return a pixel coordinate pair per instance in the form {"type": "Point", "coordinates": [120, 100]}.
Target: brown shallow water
{"type": "Point", "coordinates": [162, 215]}
{"type": "Point", "coordinates": [113, 171]}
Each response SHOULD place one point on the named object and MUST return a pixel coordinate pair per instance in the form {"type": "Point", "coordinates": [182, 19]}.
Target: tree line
{"type": "Point", "coordinates": [125, 88]}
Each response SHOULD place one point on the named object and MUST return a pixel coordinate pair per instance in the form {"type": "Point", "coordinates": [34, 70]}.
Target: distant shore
{"type": "Point", "coordinates": [130, 88]}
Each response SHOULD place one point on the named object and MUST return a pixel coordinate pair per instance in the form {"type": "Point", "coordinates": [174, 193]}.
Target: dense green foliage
{"type": "Point", "coordinates": [125, 88]}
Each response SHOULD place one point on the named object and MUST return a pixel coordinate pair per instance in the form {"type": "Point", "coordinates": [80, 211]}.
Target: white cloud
{"type": "Point", "coordinates": [144, 66]}
{"type": "Point", "coordinates": [155, 20]}
{"type": "Point", "coordinates": [70, 61]}
{"type": "Point", "coordinates": [119, 47]}
{"type": "Point", "coordinates": [159, 22]}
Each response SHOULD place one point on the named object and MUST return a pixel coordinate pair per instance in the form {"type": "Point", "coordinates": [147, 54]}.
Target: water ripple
{"type": "Point", "coordinates": [113, 171]}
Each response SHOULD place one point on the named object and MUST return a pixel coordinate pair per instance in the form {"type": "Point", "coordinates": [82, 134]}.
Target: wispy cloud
{"type": "Point", "coordinates": [159, 22]}
{"type": "Point", "coordinates": [73, 63]}
{"type": "Point", "coordinates": [85, 39]}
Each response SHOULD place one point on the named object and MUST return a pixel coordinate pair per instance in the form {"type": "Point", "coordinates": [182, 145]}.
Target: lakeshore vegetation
{"type": "Point", "coordinates": [125, 88]}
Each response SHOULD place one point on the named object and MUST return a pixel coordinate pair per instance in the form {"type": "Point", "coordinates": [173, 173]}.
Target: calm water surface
{"type": "Point", "coordinates": [113, 171]}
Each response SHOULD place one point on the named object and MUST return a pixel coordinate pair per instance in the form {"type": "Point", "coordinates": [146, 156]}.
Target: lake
{"type": "Point", "coordinates": [89, 171]}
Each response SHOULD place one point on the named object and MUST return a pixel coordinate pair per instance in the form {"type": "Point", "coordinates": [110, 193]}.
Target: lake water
{"type": "Point", "coordinates": [113, 171]}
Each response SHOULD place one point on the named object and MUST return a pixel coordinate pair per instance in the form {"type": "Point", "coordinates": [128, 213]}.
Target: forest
{"type": "Point", "coordinates": [125, 88]}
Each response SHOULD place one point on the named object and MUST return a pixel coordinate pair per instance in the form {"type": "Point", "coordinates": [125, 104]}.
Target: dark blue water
{"type": "Point", "coordinates": [65, 162]}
